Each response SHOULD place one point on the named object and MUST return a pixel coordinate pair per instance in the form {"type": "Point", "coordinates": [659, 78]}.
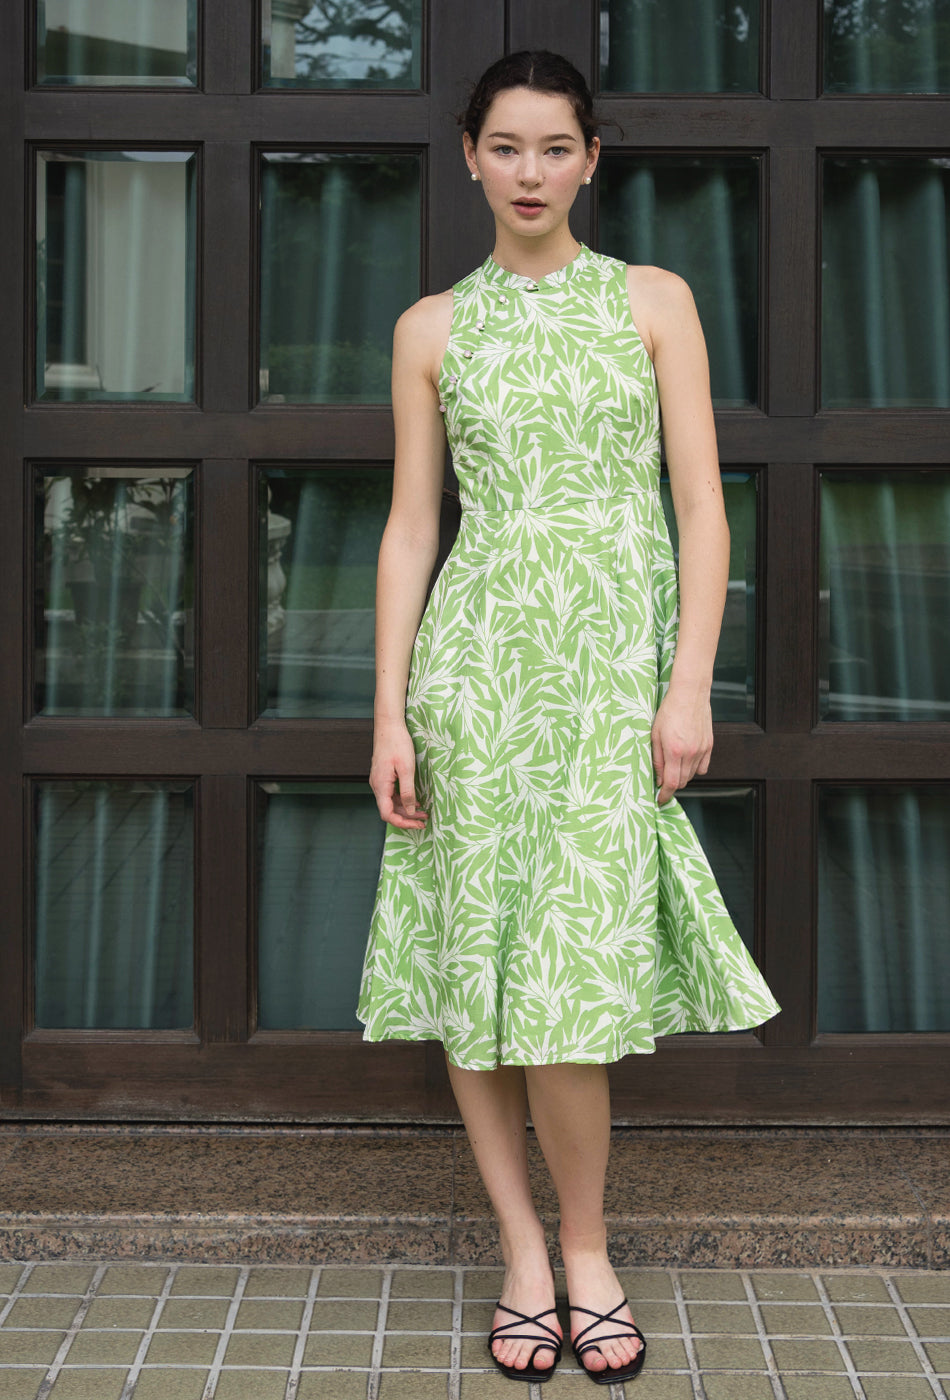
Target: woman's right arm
{"type": "Point", "coordinates": [409, 548]}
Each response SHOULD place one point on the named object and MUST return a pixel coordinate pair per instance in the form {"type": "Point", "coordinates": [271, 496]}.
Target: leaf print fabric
{"type": "Point", "coordinates": [550, 910]}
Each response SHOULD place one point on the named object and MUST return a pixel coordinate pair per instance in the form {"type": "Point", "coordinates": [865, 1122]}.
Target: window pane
{"type": "Point", "coordinates": [114, 902]}
{"type": "Point", "coordinates": [319, 850]}
{"type": "Point", "coordinates": [697, 216]}
{"type": "Point", "coordinates": [887, 46]}
{"type": "Point", "coordinates": [885, 336]}
{"type": "Point", "coordinates": [679, 46]}
{"type": "Point", "coordinates": [114, 579]}
{"type": "Point", "coordinates": [724, 821]}
{"type": "Point", "coordinates": [151, 43]}
{"type": "Point", "coordinates": [340, 240]}
{"type": "Point", "coordinates": [883, 908]}
{"type": "Point", "coordinates": [884, 637]}
{"type": "Point", "coordinates": [733, 686]}
{"type": "Point", "coordinates": [319, 543]}
{"type": "Point", "coordinates": [347, 43]}
{"type": "Point", "coordinates": [115, 275]}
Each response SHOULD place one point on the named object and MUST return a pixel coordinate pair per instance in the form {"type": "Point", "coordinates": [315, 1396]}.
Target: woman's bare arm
{"type": "Point", "coordinates": [682, 732]}
{"type": "Point", "coordinates": [408, 548]}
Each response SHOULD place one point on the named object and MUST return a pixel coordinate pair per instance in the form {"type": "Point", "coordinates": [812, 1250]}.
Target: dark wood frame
{"type": "Point", "coordinates": [785, 1072]}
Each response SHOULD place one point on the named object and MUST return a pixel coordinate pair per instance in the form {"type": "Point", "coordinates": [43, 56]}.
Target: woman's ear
{"type": "Point", "coordinates": [468, 147]}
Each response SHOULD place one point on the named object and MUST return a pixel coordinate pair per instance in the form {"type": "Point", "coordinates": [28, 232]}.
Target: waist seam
{"type": "Point", "coordinates": [564, 504]}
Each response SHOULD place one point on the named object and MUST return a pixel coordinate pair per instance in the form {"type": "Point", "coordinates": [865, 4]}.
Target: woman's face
{"type": "Point", "coordinates": [531, 159]}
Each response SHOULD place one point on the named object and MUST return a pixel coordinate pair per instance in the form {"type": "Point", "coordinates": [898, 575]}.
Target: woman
{"type": "Point", "coordinates": [544, 907]}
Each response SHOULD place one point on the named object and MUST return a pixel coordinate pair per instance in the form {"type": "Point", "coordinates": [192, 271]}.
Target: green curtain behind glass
{"type": "Point", "coordinates": [887, 46]}
{"type": "Point", "coordinates": [679, 46]}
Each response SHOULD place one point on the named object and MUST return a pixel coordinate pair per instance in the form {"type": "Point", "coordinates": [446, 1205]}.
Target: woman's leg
{"type": "Point", "coordinates": [494, 1106]}
{"type": "Point", "coordinates": [570, 1110]}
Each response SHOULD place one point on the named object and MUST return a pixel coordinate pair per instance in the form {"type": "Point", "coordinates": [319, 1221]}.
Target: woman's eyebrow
{"type": "Point", "coordinates": [512, 136]}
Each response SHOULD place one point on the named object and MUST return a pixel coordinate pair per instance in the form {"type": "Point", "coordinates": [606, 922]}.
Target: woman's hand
{"type": "Point", "coordinates": [394, 762]}
{"type": "Point", "coordinates": [681, 737]}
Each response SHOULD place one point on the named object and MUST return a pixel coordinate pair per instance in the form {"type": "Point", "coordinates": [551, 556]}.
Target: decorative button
{"type": "Point", "coordinates": [468, 354]}
{"type": "Point", "coordinates": [503, 300]}
{"type": "Point", "coordinates": [532, 287]}
{"type": "Point", "coordinates": [441, 407]}
{"type": "Point", "coordinates": [479, 325]}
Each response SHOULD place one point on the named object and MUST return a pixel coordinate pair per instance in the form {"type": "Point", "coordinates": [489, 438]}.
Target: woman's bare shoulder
{"type": "Point", "coordinates": [659, 299]}
{"type": "Point", "coordinates": [422, 331]}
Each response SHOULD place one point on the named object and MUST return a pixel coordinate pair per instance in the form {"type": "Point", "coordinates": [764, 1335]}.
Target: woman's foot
{"type": "Point", "coordinates": [593, 1284]}
{"type": "Point", "coordinates": [531, 1293]}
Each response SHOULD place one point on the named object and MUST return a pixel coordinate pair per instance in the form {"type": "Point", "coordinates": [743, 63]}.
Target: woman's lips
{"type": "Point", "coordinates": [528, 209]}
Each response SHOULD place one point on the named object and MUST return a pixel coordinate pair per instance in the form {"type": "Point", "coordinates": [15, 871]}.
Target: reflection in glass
{"type": "Point", "coordinates": [885, 334]}
{"type": "Point", "coordinates": [697, 216]}
{"type": "Point", "coordinates": [114, 891]}
{"type": "Point", "coordinates": [884, 908]}
{"type": "Point", "coordinates": [340, 239]}
{"type": "Point", "coordinates": [342, 43]}
{"type": "Point", "coordinates": [884, 580]}
{"type": "Point", "coordinates": [887, 46]}
{"type": "Point", "coordinates": [114, 570]}
{"type": "Point", "coordinates": [679, 46]}
{"type": "Point", "coordinates": [724, 821]}
{"type": "Point", "coordinates": [151, 43]}
{"type": "Point", "coordinates": [733, 686]}
{"type": "Point", "coordinates": [319, 851]}
{"type": "Point", "coordinates": [319, 544]}
{"type": "Point", "coordinates": [115, 275]}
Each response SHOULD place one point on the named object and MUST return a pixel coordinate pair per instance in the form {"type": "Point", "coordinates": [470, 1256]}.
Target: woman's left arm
{"type": "Point", "coordinates": [682, 735]}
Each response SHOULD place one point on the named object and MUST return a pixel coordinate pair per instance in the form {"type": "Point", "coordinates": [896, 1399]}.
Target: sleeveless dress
{"type": "Point", "coordinates": [550, 910]}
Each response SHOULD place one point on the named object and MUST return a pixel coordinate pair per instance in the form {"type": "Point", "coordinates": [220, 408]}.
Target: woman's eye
{"type": "Point", "coordinates": [559, 150]}
{"type": "Point", "coordinates": [500, 150]}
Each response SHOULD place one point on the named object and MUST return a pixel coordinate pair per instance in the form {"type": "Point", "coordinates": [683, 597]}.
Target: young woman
{"type": "Point", "coordinates": [544, 907]}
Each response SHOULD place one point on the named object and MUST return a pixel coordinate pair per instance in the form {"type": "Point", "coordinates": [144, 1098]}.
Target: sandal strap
{"type": "Point", "coordinates": [603, 1317]}
{"type": "Point", "coordinates": [519, 1317]}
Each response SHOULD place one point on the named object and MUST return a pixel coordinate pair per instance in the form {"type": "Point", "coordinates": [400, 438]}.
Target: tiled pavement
{"type": "Point", "coordinates": [181, 1331]}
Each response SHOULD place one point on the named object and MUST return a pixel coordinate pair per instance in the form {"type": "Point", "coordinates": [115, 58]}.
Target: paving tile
{"type": "Point", "coordinates": [315, 1385]}
{"type": "Point", "coordinates": [483, 1283]}
{"type": "Point", "coordinates": [23, 1348]}
{"type": "Point", "coordinates": [350, 1283]}
{"type": "Point", "coordinates": [883, 1356]}
{"type": "Point", "coordinates": [491, 1385]}
{"type": "Point", "coordinates": [712, 1284]}
{"type": "Point", "coordinates": [278, 1283]}
{"type": "Point", "coordinates": [42, 1312]}
{"type": "Point", "coordinates": [646, 1283]}
{"type": "Point", "coordinates": [333, 1349]}
{"type": "Point", "coordinates": [104, 1348]}
{"type": "Point", "coordinates": [645, 1387]}
{"type": "Point", "coordinates": [393, 1386]}
{"type": "Point", "coordinates": [203, 1282]}
{"type": "Point", "coordinates": [896, 1388]}
{"type": "Point", "coordinates": [923, 1288]}
{"type": "Point", "coordinates": [666, 1354]}
{"type": "Point", "coordinates": [738, 1388]}
{"type": "Point", "coordinates": [817, 1388]}
{"type": "Point", "coordinates": [281, 1316]}
{"type": "Point", "coordinates": [120, 1312]}
{"type": "Point", "coordinates": [403, 1316]}
{"type": "Point", "coordinates": [657, 1317]}
{"type": "Point", "coordinates": [423, 1283]}
{"type": "Point", "coordinates": [730, 1353]}
{"type": "Point", "coordinates": [939, 1353]}
{"type": "Point", "coordinates": [20, 1385]}
{"type": "Point", "coordinates": [194, 1312]}
{"type": "Point", "coordinates": [132, 1278]}
{"type": "Point", "coordinates": [856, 1288]}
{"type": "Point", "coordinates": [477, 1317]}
{"type": "Point", "coordinates": [930, 1322]}
{"type": "Point", "coordinates": [171, 1384]}
{"type": "Point", "coordinates": [733, 1318]}
{"type": "Point", "coordinates": [272, 1385]}
{"type": "Point", "coordinates": [182, 1349]}
{"type": "Point", "coordinates": [474, 1351]}
{"type": "Point", "coordinates": [9, 1277]}
{"type": "Point", "coordinates": [857, 1321]}
{"type": "Point", "coordinates": [416, 1349]}
{"type": "Point", "coordinates": [266, 1349]}
{"type": "Point", "coordinates": [795, 1320]}
{"type": "Point", "coordinates": [800, 1354]}
{"type": "Point", "coordinates": [785, 1288]}
{"type": "Point", "coordinates": [356, 1315]}
{"type": "Point", "coordinates": [60, 1278]}
{"type": "Point", "coordinates": [88, 1385]}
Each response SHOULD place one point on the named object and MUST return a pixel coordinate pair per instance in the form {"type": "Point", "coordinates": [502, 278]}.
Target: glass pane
{"type": "Point", "coordinates": [698, 216]}
{"type": "Point", "coordinates": [887, 46]}
{"type": "Point", "coordinates": [115, 275]}
{"type": "Point", "coordinates": [342, 43]}
{"type": "Point", "coordinates": [733, 686]}
{"type": "Point", "coordinates": [114, 905]}
{"type": "Point", "coordinates": [884, 600]}
{"type": "Point", "coordinates": [114, 583]}
{"type": "Point", "coordinates": [884, 908]}
{"type": "Point", "coordinates": [319, 543]}
{"type": "Point", "coordinates": [724, 821]}
{"type": "Point", "coordinates": [151, 43]}
{"type": "Point", "coordinates": [885, 334]}
{"type": "Point", "coordinates": [340, 240]}
{"type": "Point", "coordinates": [679, 46]}
{"type": "Point", "coordinates": [319, 851]}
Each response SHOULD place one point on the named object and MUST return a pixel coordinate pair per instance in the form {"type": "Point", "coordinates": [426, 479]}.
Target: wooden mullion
{"type": "Point", "coordinates": [221, 943]}
{"type": "Point", "coordinates": [225, 281]}
{"type": "Point", "coordinates": [788, 875]}
{"type": "Point", "coordinates": [225, 593]}
{"type": "Point", "coordinates": [792, 299]}
{"type": "Point", "coordinates": [228, 45]}
{"type": "Point", "coordinates": [789, 614]}
{"type": "Point", "coordinates": [794, 49]}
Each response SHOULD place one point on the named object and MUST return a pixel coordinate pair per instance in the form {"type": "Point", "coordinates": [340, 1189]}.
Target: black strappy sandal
{"type": "Point", "coordinates": [610, 1375]}
{"type": "Point", "coordinates": [529, 1372]}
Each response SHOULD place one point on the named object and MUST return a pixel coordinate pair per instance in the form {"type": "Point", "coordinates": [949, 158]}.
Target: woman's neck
{"type": "Point", "coordinates": [535, 257]}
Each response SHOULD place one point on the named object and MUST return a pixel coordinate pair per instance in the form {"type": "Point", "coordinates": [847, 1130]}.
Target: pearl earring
{"type": "Point", "coordinates": [474, 174]}
{"type": "Point", "coordinates": [586, 179]}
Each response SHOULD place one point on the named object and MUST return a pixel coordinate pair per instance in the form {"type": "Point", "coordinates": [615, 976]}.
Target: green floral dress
{"type": "Point", "coordinates": [550, 910]}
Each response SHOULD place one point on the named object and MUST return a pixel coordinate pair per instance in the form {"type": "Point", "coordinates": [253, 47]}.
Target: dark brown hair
{"type": "Point", "coordinates": [541, 71]}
